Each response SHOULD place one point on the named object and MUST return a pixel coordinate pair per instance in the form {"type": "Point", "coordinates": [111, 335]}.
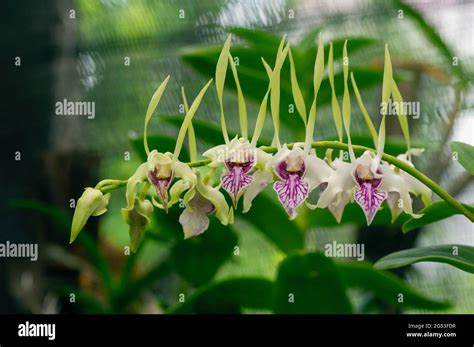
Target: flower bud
{"type": "Point", "coordinates": [92, 203]}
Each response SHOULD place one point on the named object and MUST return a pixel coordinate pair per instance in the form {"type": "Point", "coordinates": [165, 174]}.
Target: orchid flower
{"type": "Point", "coordinates": [202, 199]}
{"type": "Point", "coordinates": [370, 180]}
{"type": "Point", "coordinates": [159, 171]}
{"type": "Point", "coordinates": [299, 170]}
{"type": "Point", "coordinates": [362, 176]}
{"type": "Point", "coordinates": [245, 165]}
{"type": "Point", "coordinates": [399, 185]}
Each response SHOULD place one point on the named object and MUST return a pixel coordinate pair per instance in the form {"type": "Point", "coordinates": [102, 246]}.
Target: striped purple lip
{"type": "Point", "coordinates": [292, 190]}
{"type": "Point", "coordinates": [368, 196]}
{"type": "Point", "coordinates": [237, 177]}
{"type": "Point", "coordinates": [161, 185]}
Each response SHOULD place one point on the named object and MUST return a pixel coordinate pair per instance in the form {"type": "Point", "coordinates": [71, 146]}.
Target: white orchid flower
{"type": "Point", "coordinates": [299, 170]}
{"type": "Point", "coordinates": [399, 185]}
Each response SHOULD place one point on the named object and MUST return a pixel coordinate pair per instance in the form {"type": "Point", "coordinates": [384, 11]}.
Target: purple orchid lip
{"type": "Point", "coordinates": [161, 185]}
{"type": "Point", "coordinates": [369, 197]}
{"type": "Point", "coordinates": [237, 177]}
{"type": "Point", "coordinates": [293, 191]}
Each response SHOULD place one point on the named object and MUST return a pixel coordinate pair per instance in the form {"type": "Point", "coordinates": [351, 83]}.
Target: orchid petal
{"type": "Point", "coordinates": [386, 91]}
{"type": "Point", "coordinates": [216, 198]}
{"type": "Point", "coordinates": [340, 181]}
{"type": "Point", "coordinates": [188, 119]}
{"type": "Point", "coordinates": [191, 134]}
{"type": "Point", "coordinates": [184, 172]}
{"type": "Point", "coordinates": [370, 198]}
{"type": "Point", "coordinates": [402, 117]}
{"type": "Point", "coordinates": [337, 207]}
{"type": "Point", "coordinates": [230, 216]}
{"type": "Point", "coordinates": [317, 78]}
{"type": "Point", "coordinates": [275, 93]}
{"type": "Point", "coordinates": [387, 81]}
{"type": "Point", "coordinates": [317, 171]}
{"type": "Point", "coordinates": [176, 190]}
{"type": "Point", "coordinates": [262, 112]}
{"type": "Point", "coordinates": [290, 167]}
{"type": "Point", "coordinates": [336, 111]}
{"type": "Point", "coordinates": [260, 181]}
{"type": "Point", "coordinates": [268, 69]}
{"type": "Point", "coordinates": [139, 176]}
{"type": "Point", "coordinates": [236, 179]}
{"type": "Point", "coordinates": [138, 218]}
{"type": "Point", "coordinates": [280, 156]}
{"type": "Point", "coordinates": [221, 70]}
{"type": "Point", "coordinates": [403, 184]}
{"type": "Point", "coordinates": [155, 99]}
{"type": "Point", "coordinates": [194, 223]}
{"type": "Point", "coordinates": [366, 116]}
{"type": "Point", "coordinates": [292, 193]}
{"type": "Point", "coordinates": [241, 100]}
{"type": "Point", "coordinates": [295, 88]}
{"type": "Point", "coordinates": [346, 102]}
{"type": "Point", "coordinates": [216, 154]}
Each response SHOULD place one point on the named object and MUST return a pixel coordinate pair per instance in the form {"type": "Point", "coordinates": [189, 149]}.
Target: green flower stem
{"type": "Point", "coordinates": [116, 185]}
{"type": "Point", "coordinates": [104, 183]}
{"type": "Point", "coordinates": [358, 150]}
{"type": "Point", "coordinates": [398, 163]}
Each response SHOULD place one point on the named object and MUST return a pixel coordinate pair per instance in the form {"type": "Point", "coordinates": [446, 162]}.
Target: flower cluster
{"type": "Point", "coordinates": [245, 169]}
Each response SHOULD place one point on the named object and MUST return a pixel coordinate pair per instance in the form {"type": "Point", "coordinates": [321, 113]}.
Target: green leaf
{"type": "Point", "coordinates": [435, 212]}
{"type": "Point", "coordinates": [460, 256]}
{"type": "Point", "coordinates": [465, 154]}
{"type": "Point", "coordinates": [197, 259]}
{"type": "Point", "coordinates": [310, 283]}
{"type": "Point", "coordinates": [269, 217]}
{"type": "Point", "coordinates": [258, 38]}
{"type": "Point", "coordinates": [228, 296]}
{"type": "Point", "coordinates": [386, 286]}
{"type": "Point", "coordinates": [163, 143]}
{"type": "Point", "coordinates": [309, 39]}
